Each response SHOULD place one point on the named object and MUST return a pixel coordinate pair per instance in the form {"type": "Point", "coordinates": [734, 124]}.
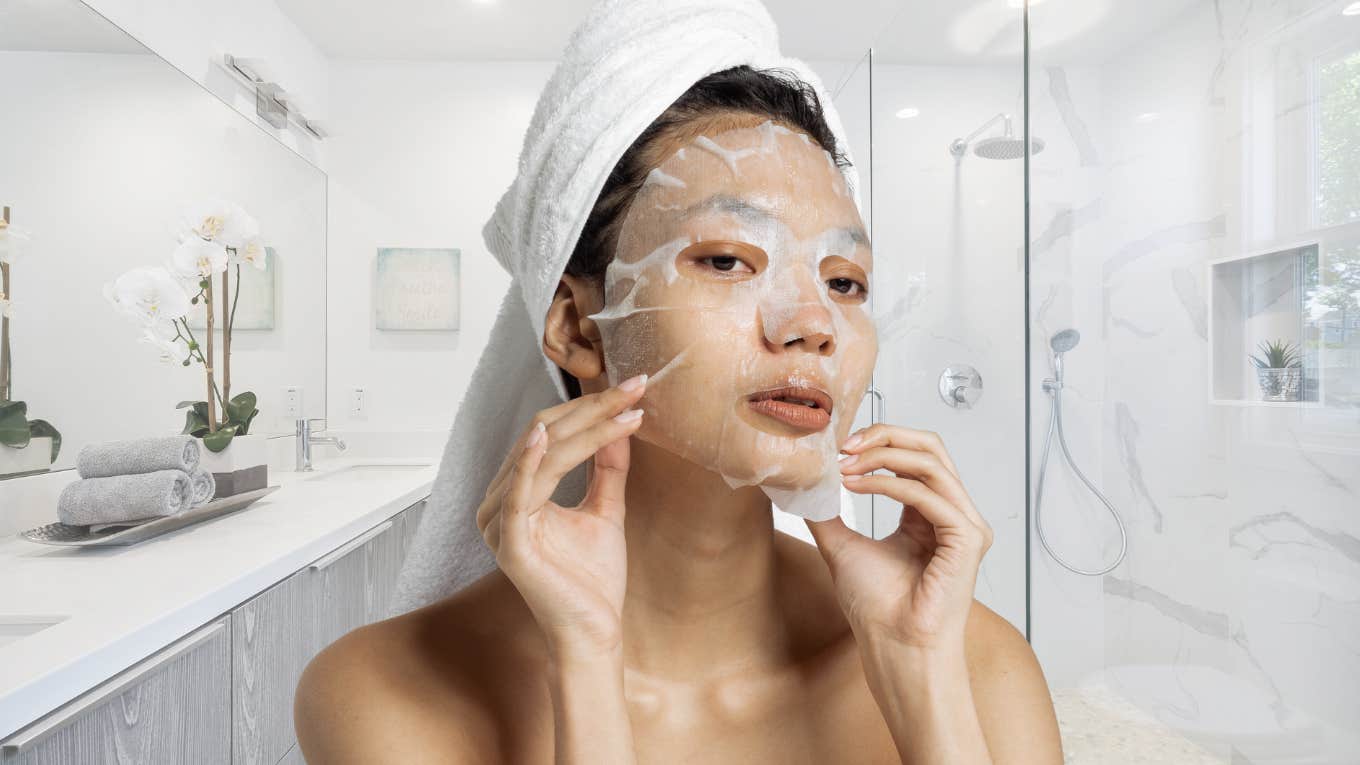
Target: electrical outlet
{"type": "Point", "coordinates": [292, 402]}
{"type": "Point", "coordinates": [358, 404]}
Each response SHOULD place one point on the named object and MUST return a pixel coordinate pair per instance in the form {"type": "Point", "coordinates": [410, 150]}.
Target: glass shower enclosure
{"type": "Point", "coordinates": [1145, 216]}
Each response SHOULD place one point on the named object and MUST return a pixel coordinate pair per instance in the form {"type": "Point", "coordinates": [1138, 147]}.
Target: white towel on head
{"type": "Point", "coordinates": [623, 66]}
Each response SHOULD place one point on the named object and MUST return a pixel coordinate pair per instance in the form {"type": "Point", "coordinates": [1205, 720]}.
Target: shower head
{"type": "Point", "coordinates": [1006, 147]}
{"type": "Point", "coordinates": [1065, 341]}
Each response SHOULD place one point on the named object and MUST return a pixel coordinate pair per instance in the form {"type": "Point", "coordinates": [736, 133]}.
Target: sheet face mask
{"type": "Point", "coordinates": [742, 266]}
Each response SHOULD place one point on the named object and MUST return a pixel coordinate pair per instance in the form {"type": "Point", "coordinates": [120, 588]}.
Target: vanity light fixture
{"type": "Point", "coordinates": [272, 102]}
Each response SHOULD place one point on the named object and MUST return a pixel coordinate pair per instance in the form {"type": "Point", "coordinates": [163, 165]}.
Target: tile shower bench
{"type": "Point", "coordinates": [188, 647]}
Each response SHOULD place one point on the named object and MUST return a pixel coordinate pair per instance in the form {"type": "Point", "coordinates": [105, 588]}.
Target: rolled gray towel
{"type": "Point", "coordinates": [204, 486]}
{"type": "Point", "coordinates": [124, 498]}
{"type": "Point", "coordinates": [138, 455]}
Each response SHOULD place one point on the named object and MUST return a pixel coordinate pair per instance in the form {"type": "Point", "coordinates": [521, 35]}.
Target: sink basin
{"type": "Point", "coordinates": [356, 471]}
{"type": "Point", "coordinates": [17, 627]}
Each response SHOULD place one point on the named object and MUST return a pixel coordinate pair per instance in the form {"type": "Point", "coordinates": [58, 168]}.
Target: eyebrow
{"type": "Point", "coordinates": [743, 208]}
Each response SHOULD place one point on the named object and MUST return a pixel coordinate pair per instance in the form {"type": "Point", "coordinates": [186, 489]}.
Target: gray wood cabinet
{"type": "Point", "coordinates": [410, 523]}
{"type": "Point", "coordinates": [173, 707]}
{"type": "Point", "coordinates": [224, 693]}
{"type": "Point", "coordinates": [278, 632]}
{"type": "Point", "coordinates": [270, 645]}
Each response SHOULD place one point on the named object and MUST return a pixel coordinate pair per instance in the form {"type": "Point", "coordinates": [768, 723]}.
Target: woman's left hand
{"type": "Point", "coordinates": [915, 586]}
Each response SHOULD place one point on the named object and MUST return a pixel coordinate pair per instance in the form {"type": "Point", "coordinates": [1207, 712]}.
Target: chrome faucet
{"type": "Point", "coordinates": [306, 438]}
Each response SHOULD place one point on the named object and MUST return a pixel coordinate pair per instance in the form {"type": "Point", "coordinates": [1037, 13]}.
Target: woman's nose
{"type": "Point", "coordinates": [799, 320]}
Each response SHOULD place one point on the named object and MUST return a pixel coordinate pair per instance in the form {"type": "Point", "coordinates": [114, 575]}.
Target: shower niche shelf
{"type": "Point", "coordinates": [1263, 297]}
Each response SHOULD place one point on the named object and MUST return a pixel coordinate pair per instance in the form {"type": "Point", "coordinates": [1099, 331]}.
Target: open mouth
{"type": "Point", "coordinates": [803, 408]}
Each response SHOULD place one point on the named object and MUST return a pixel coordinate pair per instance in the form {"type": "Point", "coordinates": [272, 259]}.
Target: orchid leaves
{"type": "Point", "coordinates": [240, 412]}
{"type": "Point", "coordinates": [16, 430]}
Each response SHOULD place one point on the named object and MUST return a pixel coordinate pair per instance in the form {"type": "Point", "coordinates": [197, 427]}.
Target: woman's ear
{"type": "Point", "coordinates": [569, 339]}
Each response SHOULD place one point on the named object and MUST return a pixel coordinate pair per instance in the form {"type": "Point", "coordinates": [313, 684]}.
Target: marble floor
{"type": "Point", "coordinates": [1101, 726]}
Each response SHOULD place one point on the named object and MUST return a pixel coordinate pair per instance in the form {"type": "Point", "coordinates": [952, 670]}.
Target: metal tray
{"type": "Point", "coordinates": [81, 536]}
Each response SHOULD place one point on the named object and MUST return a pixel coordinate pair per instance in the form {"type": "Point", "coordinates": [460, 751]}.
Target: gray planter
{"type": "Point", "coordinates": [1279, 383]}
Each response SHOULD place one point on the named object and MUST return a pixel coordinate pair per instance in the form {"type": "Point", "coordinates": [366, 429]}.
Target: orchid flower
{"type": "Point", "coordinates": [13, 242]}
{"type": "Point", "coordinates": [164, 336]}
{"type": "Point", "coordinates": [150, 295]}
{"type": "Point", "coordinates": [252, 253]}
{"type": "Point", "coordinates": [196, 259]}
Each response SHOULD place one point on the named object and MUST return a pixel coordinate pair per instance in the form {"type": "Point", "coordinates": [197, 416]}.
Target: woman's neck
{"type": "Point", "coordinates": [703, 575]}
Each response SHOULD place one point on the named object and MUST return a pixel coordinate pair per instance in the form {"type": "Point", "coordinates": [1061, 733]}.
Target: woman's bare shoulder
{"type": "Point", "coordinates": [416, 687]}
{"type": "Point", "coordinates": [1010, 693]}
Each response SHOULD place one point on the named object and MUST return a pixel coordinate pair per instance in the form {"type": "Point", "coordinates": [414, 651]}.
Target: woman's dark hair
{"type": "Point", "coordinates": [778, 94]}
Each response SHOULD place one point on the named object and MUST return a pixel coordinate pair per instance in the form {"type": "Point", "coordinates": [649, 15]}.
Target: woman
{"type": "Point", "coordinates": [664, 619]}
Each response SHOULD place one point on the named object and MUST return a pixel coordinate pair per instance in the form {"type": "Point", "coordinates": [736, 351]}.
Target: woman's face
{"type": "Point", "coordinates": [743, 266]}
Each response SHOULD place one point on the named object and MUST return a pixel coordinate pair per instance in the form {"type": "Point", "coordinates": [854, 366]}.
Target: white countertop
{"type": "Point", "coordinates": [124, 603]}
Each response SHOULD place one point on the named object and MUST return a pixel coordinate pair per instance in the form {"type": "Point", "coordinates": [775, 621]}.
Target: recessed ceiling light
{"type": "Point", "coordinates": [908, 112]}
{"type": "Point", "coordinates": [1351, 10]}
{"type": "Point", "coordinates": [1148, 117]}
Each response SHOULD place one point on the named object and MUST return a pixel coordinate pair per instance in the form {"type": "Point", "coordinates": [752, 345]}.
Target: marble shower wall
{"type": "Point", "coordinates": [1235, 617]}
{"type": "Point", "coordinates": [949, 289]}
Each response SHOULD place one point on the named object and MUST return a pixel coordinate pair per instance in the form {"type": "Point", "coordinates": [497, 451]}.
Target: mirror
{"type": "Point", "coordinates": [110, 158]}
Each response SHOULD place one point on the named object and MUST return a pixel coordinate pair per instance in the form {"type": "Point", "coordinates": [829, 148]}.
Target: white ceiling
{"type": "Point", "coordinates": [43, 25]}
{"type": "Point", "coordinates": [538, 29]}
{"type": "Point", "coordinates": [956, 32]}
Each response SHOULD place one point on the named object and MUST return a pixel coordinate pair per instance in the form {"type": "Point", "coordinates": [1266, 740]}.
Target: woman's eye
{"type": "Point", "coordinates": [723, 262]}
{"type": "Point", "coordinates": [843, 285]}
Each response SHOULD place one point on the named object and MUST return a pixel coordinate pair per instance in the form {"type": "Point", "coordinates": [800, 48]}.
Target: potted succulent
{"type": "Point", "coordinates": [216, 240]}
{"type": "Point", "coordinates": [26, 446]}
{"type": "Point", "coordinates": [1278, 370]}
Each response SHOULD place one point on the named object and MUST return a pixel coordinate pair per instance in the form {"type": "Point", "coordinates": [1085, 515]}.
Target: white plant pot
{"type": "Point", "coordinates": [32, 458]}
{"type": "Point", "coordinates": [239, 467]}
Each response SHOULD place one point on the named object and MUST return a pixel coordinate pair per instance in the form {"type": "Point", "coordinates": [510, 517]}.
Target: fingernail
{"type": "Point", "coordinates": [628, 415]}
{"type": "Point", "coordinates": [854, 477]}
{"type": "Point", "coordinates": [634, 383]}
{"type": "Point", "coordinates": [847, 460]}
{"type": "Point", "coordinates": [538, 434]}
{"type": "Point", "coordinates": [852, 441]}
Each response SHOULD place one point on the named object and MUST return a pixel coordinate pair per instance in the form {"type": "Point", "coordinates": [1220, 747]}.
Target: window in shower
{"type": "Point", "coordinates": [1336, 154]}
{"type": "Point", "coordinates": [1333, 304]}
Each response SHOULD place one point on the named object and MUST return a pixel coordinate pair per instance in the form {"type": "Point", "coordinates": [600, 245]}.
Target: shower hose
{"type": "Point", "coordinates": [1054, 390]}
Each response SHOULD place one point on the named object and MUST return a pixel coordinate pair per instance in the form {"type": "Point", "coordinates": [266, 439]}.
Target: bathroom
{"type": "Point", "coordinates": [1118, 272]}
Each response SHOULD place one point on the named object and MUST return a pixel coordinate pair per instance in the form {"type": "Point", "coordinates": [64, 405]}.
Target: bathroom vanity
{"type": "Point", "coordinates": [187, 648]}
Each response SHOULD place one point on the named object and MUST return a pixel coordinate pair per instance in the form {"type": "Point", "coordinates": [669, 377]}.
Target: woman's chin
{"type": "Point", "coordinates": [795, 473]}
{"type": "Point", "coordinates": [745, 460]}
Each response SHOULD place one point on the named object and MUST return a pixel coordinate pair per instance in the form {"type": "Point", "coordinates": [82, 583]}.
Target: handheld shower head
{"type": "Point", "coordinates": [1065, 341]}
{"type": "Point", "coordinates": [1061, 343]}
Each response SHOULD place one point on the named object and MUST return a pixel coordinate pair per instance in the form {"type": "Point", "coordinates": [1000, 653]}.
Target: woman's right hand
{"type": "Point", "coordinates": [568, 563]}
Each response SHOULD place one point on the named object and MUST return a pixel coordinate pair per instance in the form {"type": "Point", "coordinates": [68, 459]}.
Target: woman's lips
{"type": "Point", "coordinates": [804, 408]}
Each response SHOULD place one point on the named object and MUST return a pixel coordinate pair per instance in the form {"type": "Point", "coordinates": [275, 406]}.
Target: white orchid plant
{"type": "Point", "coordinates": [215, 239]}
{"type": "Point", "coordinates": [16, 430]}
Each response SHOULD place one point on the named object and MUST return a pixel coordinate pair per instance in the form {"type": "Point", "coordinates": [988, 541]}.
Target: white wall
{"type": "Point", "coordinates": [193, 35]}
{"type": "Point", "coordinates": [421, 153]}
